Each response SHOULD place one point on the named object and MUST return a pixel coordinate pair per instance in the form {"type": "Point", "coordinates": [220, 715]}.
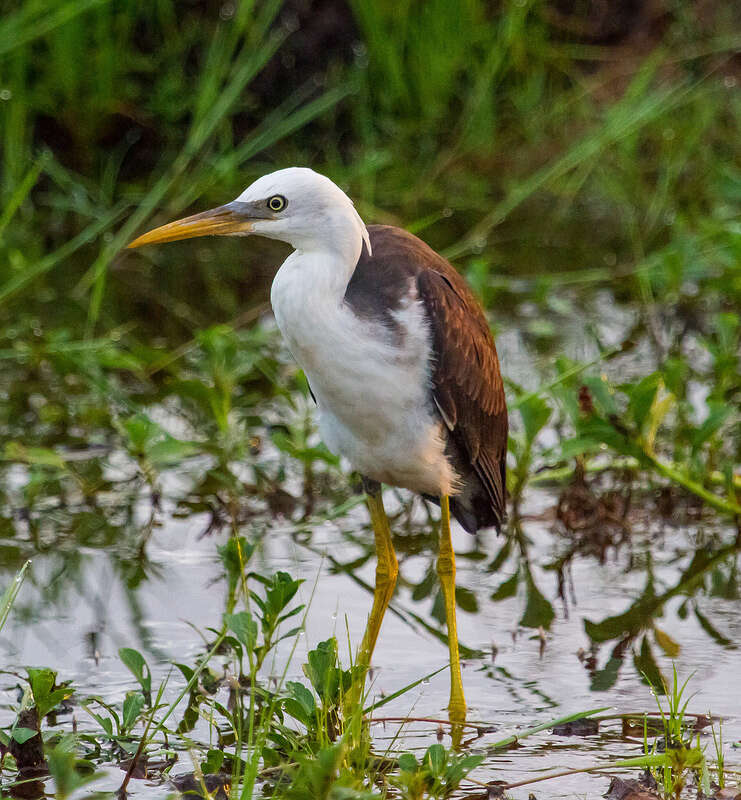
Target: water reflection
{"type": "Point", "coordinates": [551, 618]}
{"type": "Point", "coordinates": [84, 555]}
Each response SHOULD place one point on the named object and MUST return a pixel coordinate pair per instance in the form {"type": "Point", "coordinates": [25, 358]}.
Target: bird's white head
{"type": "Point", "coordinates": [295, 205]}
{"type": "Point", "coordinates": [307, 210]}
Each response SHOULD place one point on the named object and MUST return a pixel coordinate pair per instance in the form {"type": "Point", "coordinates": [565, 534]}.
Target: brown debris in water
{"type": "Point", "coordinates": [494, 790]}
{"type": "Point", "coordinates": [726, 793]}
{"type": "Point", "coordinates": [632, 789]}
{"type": "Point", "coordinates": [579, 727]}
{"type": "Point", "coordinates": [218, 785]}
{"type": "Point", "coordinates": [142, 768]}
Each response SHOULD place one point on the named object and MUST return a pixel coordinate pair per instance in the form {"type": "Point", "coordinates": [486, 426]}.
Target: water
{"type": "Point", "coordinates": [558, 623]}
{"type": "Point", "coordinates": [91, 594]}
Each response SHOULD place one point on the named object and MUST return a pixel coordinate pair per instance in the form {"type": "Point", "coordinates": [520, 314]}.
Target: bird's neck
{"type": "Point", "coordinates": [307, 298]}
{"type": "Point", "coordinates": [318, 274]}
{"type": "Point", "coordinates": [323, 262]}
{"type": "Point", "coordinates": [309, 289]}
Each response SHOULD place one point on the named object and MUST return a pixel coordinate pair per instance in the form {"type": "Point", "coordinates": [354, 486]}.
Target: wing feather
{"type": "Point", "coordinates": [467, 381]}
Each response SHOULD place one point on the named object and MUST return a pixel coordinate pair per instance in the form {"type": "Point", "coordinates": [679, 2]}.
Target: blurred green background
{"type": "Point", "coordinates": [532, 137]}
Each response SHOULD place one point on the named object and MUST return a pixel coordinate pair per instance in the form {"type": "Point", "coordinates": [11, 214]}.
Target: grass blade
{"type": "Point", "coordinates": [21, 192]}
{"type": "Point", "coordinates": [544, 726]}
{"type": "Point", "coordinates": [95, 277]}
{"type": "Point", "coordinates": [90, 233]}
{"type": "Point", "coordinates": [626, 118]}
{"type": "Point", "coordinates": [9, 595]}
{"type": "Point", "coordinates": [34, 20]}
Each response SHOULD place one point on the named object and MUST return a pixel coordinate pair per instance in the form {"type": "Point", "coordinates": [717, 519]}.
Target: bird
{"type": "Point", "coordinates": [399, 357]}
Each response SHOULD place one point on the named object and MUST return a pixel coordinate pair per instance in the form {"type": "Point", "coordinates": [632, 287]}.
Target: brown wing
{"type": "Point", "coordinates": [468, 390]}
{"type": "Point", "coordinates": [466, 382]}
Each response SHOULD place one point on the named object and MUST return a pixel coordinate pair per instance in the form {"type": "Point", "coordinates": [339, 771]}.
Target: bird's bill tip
{"type": "Point", "coordinates": [221, 221]}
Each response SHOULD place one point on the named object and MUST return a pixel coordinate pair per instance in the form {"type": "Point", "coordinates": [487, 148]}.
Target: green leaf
{"type": "Point", "coordinates": [132, 706]}
{"type": "Point", "coordinates": [134, 660]}
{"type": "Point", "coordinates": [244, 627]}
{"type": "Point", "coordinates": [187, 672]}
{"type": "Point", "coordinates": [171, 451]}
{"type": "Point", "coordinates": [321, 665]}
{"type": "Point", "coordinates": [602, 394]}
{"type": "Point", "coordinates": [408, 763]}
{"type": "Point", "coordinates": [436, 757]}
{"type": "Point", "coordinates": [535, 413]}
{"type": "Point", "coordinates": [45, 696]}
{"type": "Point", "coordinates": [471, 762]}
{"type": "Point", "coordinates": [605, 678]}
{"type": "Point", "coordinates": [34, 456]}
{"type": "Point", "coordinates": [466, 600]}
{"type": "Point", "coordinates": [642, 396]}
{"type": "Point", "coordinates": [635, 619]}
{"type": "Point", "coordinates": [426, 585]}
{"type": "Point", "coordinates": [115, 358]}
{"type": "Point", "coordinates": [662, 404]}
{"type": "Point", "coordinates": [718, 414]}
{"type": "Point", "coordinates": [63, 764]}
{"type": "Point", "coordinates": [280, 592]}
{"type": "Point", "coordinates": [323, 671]}
{"type": "Point", "coordinates": [302, 695]}
{"type": "Point", "coordinates": [666, 643]}
{"type": "Point", "coordinates": [301, 704]}
{"type": "Point", "coordinates": [602, 430]}
{"type": "Point", "coordinates": [286, 444]}
{"type": "Point", "coordinates": [234, 556]}
{"type": "Point", "coordinates": [148, 439]}
{"type": "Point", "coordinates": [105, 722]}
{"type": "Point", "coordinates": [646, 665]}
{"type": "Point", "coordinates": [139, 429]}
{"type": "Point", "coordinates": [213, 761]}
{"type": "Point", "coordinates": [712, 631]}
{"type": "Point", "coordinates": [22, 735]}
{"type": "Point", "coordinates": [9, 595]}
{"type": "Point", "coordinates": [291, 613]}
{"type": "Point", "coordinates": [577, 446]}
{"type": "Point", "coordinates": [498, 561]}
{"type": "Point", "coordinates": [195, 390]}
{"type": "Point", "coordinates": [458, 769]}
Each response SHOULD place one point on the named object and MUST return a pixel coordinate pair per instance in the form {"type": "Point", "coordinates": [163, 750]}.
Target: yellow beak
{"type": "Point", "coordinates": [225, 220]}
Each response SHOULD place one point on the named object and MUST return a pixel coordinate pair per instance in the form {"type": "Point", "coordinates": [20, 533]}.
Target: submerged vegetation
{"type": "Point", "coordinates": [579, 162]}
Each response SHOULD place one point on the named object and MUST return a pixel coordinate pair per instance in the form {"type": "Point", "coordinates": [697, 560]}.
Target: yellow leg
{"type": "Point", "coordinates": [387, 569]}
{"type": "Point", "coordinates": [446, 571]}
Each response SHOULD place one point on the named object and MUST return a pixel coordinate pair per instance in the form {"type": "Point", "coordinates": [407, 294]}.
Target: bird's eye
{"type": "Point", "coordinates": [277, 202]}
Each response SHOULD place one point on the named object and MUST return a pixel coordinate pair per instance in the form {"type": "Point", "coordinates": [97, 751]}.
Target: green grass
{"type": "Point", "coordinates": [9, 595]}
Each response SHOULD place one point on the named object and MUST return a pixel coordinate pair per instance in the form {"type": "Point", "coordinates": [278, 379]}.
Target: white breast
{"type": "Point", "coordinates": [372, 389]}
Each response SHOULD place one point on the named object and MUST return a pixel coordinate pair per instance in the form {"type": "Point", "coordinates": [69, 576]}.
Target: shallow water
{"type": "Point", "coordinates": [86, 597]}
{"type": "Point", "coordinates": [554, 625]}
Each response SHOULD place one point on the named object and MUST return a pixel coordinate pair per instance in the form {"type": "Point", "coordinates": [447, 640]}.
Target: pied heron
{"type": "Point", "coordinates": [399, 358]}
